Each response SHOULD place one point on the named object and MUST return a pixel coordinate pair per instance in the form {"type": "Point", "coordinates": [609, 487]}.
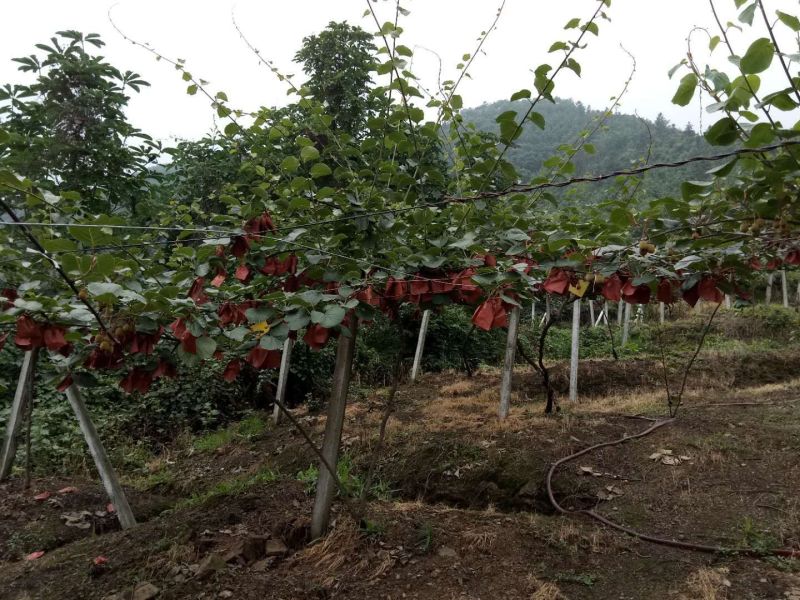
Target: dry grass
{"type": "Point", "coordinates": [543, 590]}
{"type": "Point", "coordinates": [458, 388]}
{"type": "Point", "coordinates": [482, 541]}
{"type": "Point", "coordinates": [708, 584]}
{"type": "Point", "coordinates": [344, 552]}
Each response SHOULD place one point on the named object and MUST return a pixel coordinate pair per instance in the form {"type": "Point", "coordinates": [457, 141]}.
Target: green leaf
{"type": "Point", "coordinates": [192, 89]}
{"type": "Point", "coordinates": [760, 134]}
{"type": "Point", "coordinates": [290, 164]}
{"type": "Point", "coordinates": [456, 102]}
{"type": "Point", "coordinates": [713, 43]}
{"type": "Point", "coordinates": [685, 91]}
{"type": "Point", "coordinates": [722, 133]}
{"type": "Point", "coordinates": [572, 23]}
{"type": "Point", "coordinates": [520, 95]}
{"type": "Point", "coordinates": [537, 119]}
{"type": "Point", "coordinates": [206, 347]}
{"type": "Point", "coordinates": [758, 57]}
{"type": "Point", "coordinates": [309, 153]}
{"type": "Point", "coordinates": [99, 288]}
{"type": "Point", "coordinates": [790, 21]}
{"type": "Point", "coordinates": [746, 16]}
{"type": "Point", "coordinates": [333, 315]}
{"type": "Point", "coordinates": [320, 170]}
{"type": "Point", "coordinates": [558, 46]}
{"type": "Point", "coordinates": [403, 50]}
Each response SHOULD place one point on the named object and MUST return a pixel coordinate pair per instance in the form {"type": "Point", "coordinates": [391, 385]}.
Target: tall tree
{"type": "Point", "coordinates": [68, 129]}
{"type": "Point", "coordinates": [339, 61]}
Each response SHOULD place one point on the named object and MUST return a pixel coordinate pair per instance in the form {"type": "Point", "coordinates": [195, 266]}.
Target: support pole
{"type": "Point", "coordinates": [573, 362]}
{"type": "Point", "coordinates": [326, 485]}
{"type": "Point", "coordinates": [626, 325]}
{"type": "Point", "coordinates": [728, 302]}
{"type": "Point", "coordinates": [423, 331]}
{"type": "Point", "coordinates": [784, 289]}
{"type": "Point", "coordinates": [533, 313]}
{"type": "Point", "coordinates": [283, 377]}
{"type": "Point", "coordinates": [661, 313]}
{"type": "Point", "coordinates": [548, 309]}
{"type": "Point", "coordinates": [620, 311]}
{"type": "Point", "coordinates": [22, 397]}
{"type": "Point", "coordinates": [508, 365]}
{"type": "Point", "coordinates": [591, 313]}
{"type": "Point", "coordinates": [107, 474]}
{"type": "Point", "coordinates": [768, 293]}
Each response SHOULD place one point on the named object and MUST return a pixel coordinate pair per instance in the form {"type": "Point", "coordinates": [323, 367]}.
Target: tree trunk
{"type": "Point", "coordinates": [784, 289]}
{"type": "Point", "coordinates": [326, 486]}
{"type": "Point", "coordinates": [508, 366]}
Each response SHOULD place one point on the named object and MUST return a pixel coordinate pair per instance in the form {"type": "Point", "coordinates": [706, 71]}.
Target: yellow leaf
{"type": "Point", "coordinates": [260, 328]}
{"type": "Point", "coordinates": [580, 288]}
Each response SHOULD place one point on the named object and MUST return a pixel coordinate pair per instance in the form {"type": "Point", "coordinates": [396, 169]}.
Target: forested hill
{"type": "Point", "coordinates": [621, 142]}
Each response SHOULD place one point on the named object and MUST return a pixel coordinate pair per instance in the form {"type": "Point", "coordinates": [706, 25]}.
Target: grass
{"type": "Point", "coordinates": [230, 487]}
{"type": "Point", "coordinates": [247, 429]}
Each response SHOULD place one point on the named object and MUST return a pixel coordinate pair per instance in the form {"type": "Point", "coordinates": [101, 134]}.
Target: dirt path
{"type": "Point", "coordinates": [467, 517]}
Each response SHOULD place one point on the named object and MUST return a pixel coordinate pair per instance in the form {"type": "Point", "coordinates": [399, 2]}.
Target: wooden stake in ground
{"type": "Point", "coordinates": [508, 365]}
{"type": "Point", "coordinates": [533, 313]}
{"type": "Point", "coordinates": [423, 331]}
{"type": "Point", "coordinates": [22, 397]}
{"type": "Point", "coordinates": [548, 310]}
{"type": "Point", "coordinates": [784, 289]}
{"type": "Point", "coordinates": [768, 292]}
{"type": "Point", "coordinates": [661, 313]}
{"type": "Point", "coordinates": [573, 361]}
{"type": "Point", "coordinates": [283, 377]}
{"type": "Point", "coordinates": [591, 313]}
{"type": "Point", "coordinates": [620, 311]}
{"type": "Point", "coordinates": [326, 486]}
{"type": "Point", "coordinates": [107, 474]}
{"type": "Point", "coordinates": [626, 325]}
{"type": "Point", "coordinates": [728, 302]}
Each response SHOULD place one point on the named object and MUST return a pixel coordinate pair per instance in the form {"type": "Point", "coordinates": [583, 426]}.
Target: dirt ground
{"type": "Point", "coordinates": [461, 512]}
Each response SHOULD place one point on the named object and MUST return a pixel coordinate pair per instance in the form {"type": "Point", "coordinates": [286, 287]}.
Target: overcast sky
{"type": "Point", "coordinates": [201, 32]}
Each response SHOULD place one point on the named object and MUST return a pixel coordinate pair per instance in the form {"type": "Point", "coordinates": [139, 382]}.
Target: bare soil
{"type": "Point", "coordinates": [467, 516]}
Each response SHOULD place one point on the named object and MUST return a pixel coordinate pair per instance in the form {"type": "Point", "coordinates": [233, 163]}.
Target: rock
{"type": "Point", "coordinates": [275, 548]}
{"type": "Point", "coordinates": [145, 591]}
{"type": "Point", "coordinates": [211, 564]}
{"type": "Point", "coordinates": [447, 552]}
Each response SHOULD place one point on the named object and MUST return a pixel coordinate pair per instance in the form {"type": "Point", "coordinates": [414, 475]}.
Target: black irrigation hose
{"type": "Point", "coordinates": [783, 552]}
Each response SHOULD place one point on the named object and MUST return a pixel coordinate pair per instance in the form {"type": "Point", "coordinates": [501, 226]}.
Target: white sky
{"type": "Point", "coordinates": [201, 32]}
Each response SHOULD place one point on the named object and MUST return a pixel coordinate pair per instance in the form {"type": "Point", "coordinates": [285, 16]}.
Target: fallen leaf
{"type": "Point", "coordinates": [35, 555]}
{"type": "Point", "coordinates": [68, 490]}
{"type": "Point", "coordinates": [110, 508]}
{"type": "Point", "coordinates": [41, 497]}
{"type": "Point", "coordinates": [100, 560]}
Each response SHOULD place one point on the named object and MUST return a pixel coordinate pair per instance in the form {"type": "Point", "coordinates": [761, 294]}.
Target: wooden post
{"type": "Point", "coordinates": [548, 310]}
{"type": "Point", "coordinates": [661, 313]}
{"type": "Point", "coordinates": [784, 289]}
{"type": "Point", "coordinates": [620, 311]}
{"type": "Point", "coordinates": [508, 365]}
{"type": "Point", "coordinates": [283, 377]}
{"type": "Point", "coordinates": [768, 293]}
{"type": "Point", "coordinates": [728, 302]}
{"type": "Point", "coordinates": [107, 474]}
{"type": "Point", "coordinates": [626, 325]}
{"type": "Point", "coordinates": [591, 313]}
{"type": "Point", "coordinates": [326, 484]}
{"type": "Point", "coordinates": [22, 397]}
{"type": "Point", "coordinates": [573, 362]}
{"type": "Point", "coordinates": [423, 331]}
{"type": "Point", "coordinates": [533, 313]}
